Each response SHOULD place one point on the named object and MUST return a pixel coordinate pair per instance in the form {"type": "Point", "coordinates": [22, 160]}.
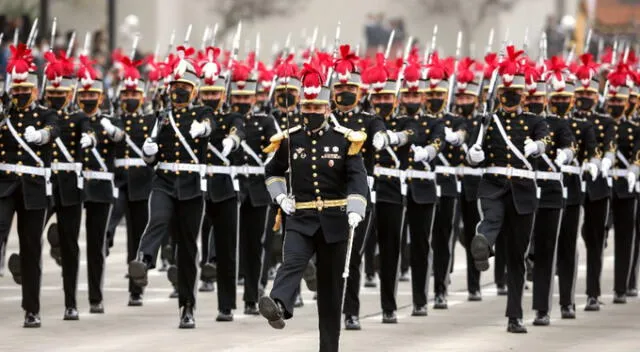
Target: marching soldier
{"type": "Point", "coordinates": [76, 134]}
{"type": "Point", "coordinates": [550, 181]}
{"type": "Point", "coordinates": [583, 167]}
{"type": "Point", "coordinates": [625, 174]}
{"type": "Point", "coordinates": [222, 207]}
{"type": "Point", "coordinates": [176, 146]}
{"type": "Point", "coordinates": [632, 115]}
{"type": "Point", "coordinates": [99, 187]}
{"type": "Point", "coordinates": [27, 130]}
{"type": "Point", "coordinates": [325, 206]}
{"type": "Point", "coordinates": [507, 191]}
{"type": "Point", "coordinates": [346, 95]}
{"type": "Point", "coordinates": [132, 174]}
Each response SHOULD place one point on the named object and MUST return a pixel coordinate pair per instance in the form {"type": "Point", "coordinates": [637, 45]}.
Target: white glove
{"type": "Point", "coordinates": [530, 147]}
{"type": "Point", "coordinates": [197, 129]}
{"type": "Point", "coordinates": [631, 180]}
{"type": "Point", "coordinates": [227, 146]}
{"type": "Point", "coordinates": [354, 219]}
{"type": "Point", "coordinates": [593, 170]}
{"type": "Point", "coordinates": [476, 154]}
{"type": "Point", "coordinates": [85, 141]}
{"type": "Point", "coordinates": [32, 136]}
{"type": "Point", "coordinates": [108, 126]}
{"type": "Point", "coordinates": [149, 147]}
{"type": "Point", "coordinates": [561, 157]}
{"type": "Point", "coordinates": [450, 136]}
{"type": "Point", "coordinates": [379, 141]}
{"type": "Point", "coordinates": [605, 166]}
{"type": "Point", "coordinates": [393, 139]}
{"type": "Point", "coordinates": [420, 154]}
{"type": "Point", "coordinates": [288, 205]}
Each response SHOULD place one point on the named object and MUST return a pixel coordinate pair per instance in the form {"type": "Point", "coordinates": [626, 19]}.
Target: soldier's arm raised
{"type": "Point", "coordinates": [275, 169]}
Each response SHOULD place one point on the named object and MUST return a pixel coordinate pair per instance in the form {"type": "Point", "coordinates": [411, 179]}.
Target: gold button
{"type": "Point", "coordinates": [313, 167]}
{"type": "Point", "coordinates": [315, 183]}
{"type": "Point", "coordinates": [315, 174]}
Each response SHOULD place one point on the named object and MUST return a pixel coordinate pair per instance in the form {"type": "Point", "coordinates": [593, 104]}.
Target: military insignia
{"type": "Point", "coordinates": [335, 149]}
{"type": "Point", "coordinates": [327, 149]}
{"type": "Point", "coordinates": [331, 163]}
{"type": "Point", "coordinates": [301, 153]}
{"type": "Point", "coordinates": [295, 156]}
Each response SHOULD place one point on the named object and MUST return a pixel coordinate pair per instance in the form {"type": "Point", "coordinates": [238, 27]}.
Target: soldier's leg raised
{"type": "Point", "coordinates": [7, 209]}
{"type": "Point", "coordinates": [492, 213]}
{"type": "Point", "coordinates": [137, 216]}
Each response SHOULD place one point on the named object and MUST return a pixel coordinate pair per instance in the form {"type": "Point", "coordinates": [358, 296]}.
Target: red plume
{"type": "Point", "coordinates": [377, 75]}
{"type": "Point", "coordinates": [240, 74]}
{"type": "Point", "coordinates": [346, 63]}
{"type": "Point", "coordinates": [312, 79]}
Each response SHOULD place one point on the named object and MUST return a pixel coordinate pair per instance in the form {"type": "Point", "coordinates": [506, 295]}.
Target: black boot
{"type": "Point", "coordinates": [14, 268]}
{"type": "Point", "coordinates": [440, 302]}
{"type": "Point", "coordinates": [352, 322]}
{"type": "Point", "coordinates": [481, 252]}
{"type": "Point", "coordinates": [206, 286]}
{"type": "Point", "coordinates": [135, 300]}
{"type": "Point", "coordinates": [71, 314]}
{"type": "Point", "coordinates": [96, 308]}
{"type": "Point", "coordinates": [138, 272]}
{"type": "Point", "coordinates": [250, 308]}
{"type": "Point", "coordinates": [542, 319]}
{"type": "Point", "coordinates": [54, 241]}
{"type": "Point", "coordinates": [593, 305]}
{"type": "Point", "coordinates": [309, 277]}
{"type": "Point", "coordinates": [224, 315]}
{"type": "Point", "coordinates": [568, 312]}
{"type": "Point", "coordinates": [419, 311]}
{"type": "Point", "coordinates": [272, 311]}
{"type": "Point", "coordinates": [516, 326]}
{"type": "Point", "coordinates": [31, 320]}
{"type": "Point", "coordinates": [389, 317]}
{"type": "Point", "coordinates": [186, 317]}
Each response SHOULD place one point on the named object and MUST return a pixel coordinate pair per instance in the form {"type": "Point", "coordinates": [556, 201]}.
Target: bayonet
{"type": "Point", "coordinates": [32, 33]}
{"type": "Point", "coordinates": [213, 35]}
{"type": "Point", "coordinates": [452, 79]}
{"type": "Point", "coordinates": [389, 44]}
{"type": "Point", "coordinates": [187, 35]}
{"type": "Point", "coordinates": [205, 37]}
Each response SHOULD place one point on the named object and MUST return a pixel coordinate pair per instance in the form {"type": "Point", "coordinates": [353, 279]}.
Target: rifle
{"type": "Point", "coordinates": [453, 78]}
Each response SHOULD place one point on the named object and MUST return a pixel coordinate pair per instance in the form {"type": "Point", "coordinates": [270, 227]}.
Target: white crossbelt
{"type": "Point", "coordinates": [548, 176]}
{"type": "Point", "coordinates": [571, 169]}
{"type": "Point", "coordinates": [98, 175]}
{"type": "Point", "coordinates": [129, 162]}
{"type": "Point", "coordinates": [510, 172]}
{"type": "Point", "coordinates": [174, 167]}
{"type": "Point", "coordinates": [23, 169]}
{"type": "Point", "coordinates": [55, 166]}
{"type": "Point", "coordinates": [619, 172]}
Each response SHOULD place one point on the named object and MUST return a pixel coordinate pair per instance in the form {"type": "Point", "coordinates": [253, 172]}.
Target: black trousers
{"type": "Point", "coordinates": [593, 234]}
{"type": "Point", "coordinates": [159, 228]}
{"type": "Point", "coordinates": [137, 215]}
{"type": "Point", "coordinates": [97, 218]}
{"type": "Point", "coordinates": [371, 242]}
{"type": "Point", "coordinates": [223, 217]}
{"type": "Point", "coordinates": [633, 278]}
{"type": "Point", "coordinates": [352, 294]}
{"type": "Point", "coordinates": [117, 214]}
{"type": "Point", "coordinates": [470, 219]}
{"type": "Point", "coordinates": [184, 218]}
{"type": "Point", "coordinates": [267, 245]}
{"type": "Point", "coordinates": [252, 234]}
{"type": "Point", "coordinates": [567, 255]}
{"type": "Point", "coordinates": [420, 219]}
{"type": "Point", "coordinates": [500, 261]}
{"type": "Point", "coordinates": [30, 226]}
{"type": "Point", "coordinates": [405, 252]}
{"type": "Point", "coordinates": [298, 250]}
{"type": "Point", "coordinates": [545, 234]}
{"type": "Point", "coordinates": [442, 243]}
{"type": "Point", "coordinates": [624, 211]}
{"type": "Point", "coordinates": [69, 221]}
{"type": "Point", "coordinates": [389, 244]}
{"type": "Point", "coordinates": [500, 214]}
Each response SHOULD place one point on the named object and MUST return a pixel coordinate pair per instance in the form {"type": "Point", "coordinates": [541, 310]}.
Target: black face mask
{"type": "Point", "coordinates": [585, 104]}
{"type": "Point", "coordinates": [212, 103]}
{"type": "Point", "coordinates": [57, 103]}
{"type": "Point", "coordinates": [346, 99]}
{"type": "Point", "coordinates": [313, 121]}
{"type": "Point", "coordinates": [616, 111]}
{"type": "Point", "coordinates": [411, 108]}
{"type": "Point", "coordinates": [434, 106]}
{"type": "Point", "coordinates": [241, 108]}
{"type": "Point", "coordinates": [560, 109]}
{"type": "Point", "coordinates": [286, 100]}
{"type": "Point", "coordinates": [535, 108]}
{"type": "Point", "coordinates": [89, 105]}
{"type": "Point", "coordinates": [21, 100]}
{"type": "Point", "coordinates": [130, 105]}
{"type": "Point", "coordinates": [510, 98]}
{"type": "Point", "coordinates": [465, 109]}
{"type": "Point", "coordinates": [180, 96]}
{"type": "Point", "coordinates": [630, 110]}
{"type": "Point", "coordinates": [384, 109]}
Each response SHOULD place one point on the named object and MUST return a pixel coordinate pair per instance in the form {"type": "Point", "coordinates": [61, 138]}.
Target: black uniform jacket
{"type": "Point", "coordinates": [137, 178]}
{"type": "Point", "coordinates": [65, 183]}
{"type": "Point", "coordinates": [454, 155]}
{"type": "Point", "coordinates": [258, 129]}
{"type": "Point", "coordinates": [561, 137]}
{"type": "Point", "coordinates": [584, 149]}
{"type": "Point", "coordinates": [430, 131]}
{"type": "Point", "coordinates": [604, 129]}
{"type": "Point", "coordinates": [95, 190]}
{"type": "Point", "coordinates": [323, 168]}
{"type": "Point", "coordinates": [220, 186]}
{"type": "Point", "coordinates": [518, 126]}
{"type": "Point", "coordinates": [470, 183]}
{"type": "Point", "coordinates": [180, 184]}
{"type": "Point", "coordinates": [33, 187]}
{"type": "Point", "coordinates": [628, 144]}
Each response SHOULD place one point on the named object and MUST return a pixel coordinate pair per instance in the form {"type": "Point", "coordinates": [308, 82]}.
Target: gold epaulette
{"type": "Point", "coordinates": [357, 139]}
{"type": "Point", "coordinates": [277, 138]}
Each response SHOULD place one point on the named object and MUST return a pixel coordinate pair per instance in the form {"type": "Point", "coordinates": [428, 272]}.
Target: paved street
{"type": "Point", "coordinates": [465, 326]}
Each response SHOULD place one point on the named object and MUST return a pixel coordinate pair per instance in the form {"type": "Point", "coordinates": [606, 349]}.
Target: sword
{"type": "Point", "coordinates": [53, 37]}
{"type": "Point", "coordinates": [452, 79]}
{"type": "Point", "coordinates": [345, 272]}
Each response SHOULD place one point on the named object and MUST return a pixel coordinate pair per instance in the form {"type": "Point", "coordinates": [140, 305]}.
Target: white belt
{"type": "Point", "coordinates": [548, 176]}
{"type": "Point", "coordinates": [402, 174]}
{"type": "Point", "coordinates": [245, 170]}
{"type": "Point", "coordinates": [470, 171]}
{"type": "Point", "coordinates": [571, 169]}
{"type": "Point", "coordinates": [65, 166]}
{"type": "Point", "coordinates": [98, 175]}
{"type": "Point", "coordinates": [175, 167]}
{"type": "Point", "coordinates": [130, 162]}
{"type": "Point", "coordinates": [451, 170]}
{"type": "Point", "coordinates": [509, 172]}
{"type": "Point", "coordinates": [421, 175]}
{"type": "Point", "coordinates": [619, 172]}
{"type": "Point", "coordinates": [23, 169]}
